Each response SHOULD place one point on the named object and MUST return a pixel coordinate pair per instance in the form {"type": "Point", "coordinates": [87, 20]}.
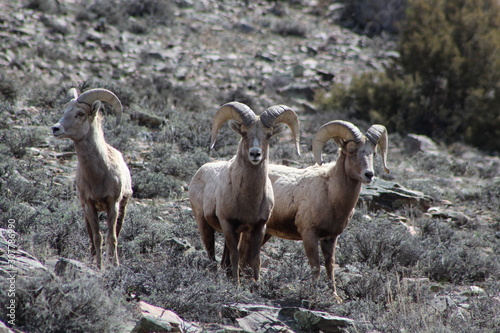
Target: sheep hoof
{"type": "Point", "coordinates": [337, 298]}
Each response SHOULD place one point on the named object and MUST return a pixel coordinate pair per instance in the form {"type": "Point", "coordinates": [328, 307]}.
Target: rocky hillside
{"type": "Point", "coordinates": [421, 253]}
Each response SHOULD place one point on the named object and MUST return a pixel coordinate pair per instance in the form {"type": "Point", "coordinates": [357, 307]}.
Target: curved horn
{"type": "Point", "coordinates": [103, 95]}
{"type": "Point", "coordinates": [231, 111]}
{"type": "Point", "coordinates": [377, 134]}
{"type": "Point", "coordinates": [338, 130]}
{"type": "Point", "coordinates": [283, 114]}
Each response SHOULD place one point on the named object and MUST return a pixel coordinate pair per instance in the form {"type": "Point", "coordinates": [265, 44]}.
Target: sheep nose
{"type": "Point", "coordinates": [255, 154]}
{"type": "Point", "coordinates": [55, 129]}
{"type": "Point", "coordinates": [369, 175]}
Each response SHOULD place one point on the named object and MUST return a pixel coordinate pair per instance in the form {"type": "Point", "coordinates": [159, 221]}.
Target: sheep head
{"type": "Point", "coordinates": [255, 130]}
{"type": "Point", "coordinates": [358, 148]}
{"type": "Point", "coordinates": [81, 111]}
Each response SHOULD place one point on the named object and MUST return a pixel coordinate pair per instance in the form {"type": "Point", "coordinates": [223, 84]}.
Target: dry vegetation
{"type": "Point", "coordinates": [180, 63]}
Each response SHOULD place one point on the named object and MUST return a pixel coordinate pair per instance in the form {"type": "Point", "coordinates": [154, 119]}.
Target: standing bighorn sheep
{"type": "Point", "coordinates": [102, 177]}
{"type": "Point", "coordinates": [236, 196]}
{"type": "Point", "coordinates": [315, 204]}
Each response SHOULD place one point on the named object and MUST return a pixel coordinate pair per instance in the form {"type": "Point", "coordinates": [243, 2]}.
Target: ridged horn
{"type": "Point", "coordinates": [338, 130]}
{"type": "Point", "coordinates": [283, 114]}
{"type": "Point", "coordinates": [103, 95]}
{"type": "Point", "coordinates": [377, 134]}
{"type": "Point", "coordinates": [231, 111]}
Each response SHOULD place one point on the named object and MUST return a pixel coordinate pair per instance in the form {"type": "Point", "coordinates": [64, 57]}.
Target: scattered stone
{"type": "Point", "coordinates": [459, 218]}
{"type": "Point", "coordinates": [298, 91]}
{"type": "Point", "coordinates": [262, 322]}
{"type": "Point", "coordinates": [316, 320]}
{"type": "Point", "coordinates": [13, 259]}
{"type": "Point", "coordinates": [180, 245]}
{"type": "Point", "coordinates": [156, 319]}
{"type": "Point", "coordinates": [234, 311]}
{"type": "Point", "coordinates": [420, 143]}
{"type": "Point", "coordinates": [72, 269]}
{"type": "Point", "coordinates": [144, 119]}
{"type": "Point", "coordinates": [5, 329]}
{"type": "Point", "coordinates": [415, 281]}
{"type": "Point", "coordinates": [391, 196]}
{"type": "Point", "coordinates": [436, 288]}
{"type": "Point", "coordinates": [309, 108]}
{"type": "Point", "coordinates": [473, 291]}
{"type": "Point", "coordinates": [261, 318]}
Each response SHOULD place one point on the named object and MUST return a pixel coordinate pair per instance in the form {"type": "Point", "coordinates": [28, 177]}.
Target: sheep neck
{"type": "Point", "coordinates": [342, 189]}
{"type": "Point", "coordinates": [253, 179]}
{"type": "Point", "coordinates": [92, 152]}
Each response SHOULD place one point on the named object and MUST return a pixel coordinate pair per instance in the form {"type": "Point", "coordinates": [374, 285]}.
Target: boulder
{"type": "Point", "coordinates": [72, 269]}
{"type": "Point", "coordinates": [262, 322]}
{"type": "Point", "coordinates": [156, 319]}
{"type": "Point", "coordinates": [420, 143]}
{"type": "Point", "coordinates": [312, 321]}
{"type": "Point", "coordinates": [390, 196]}
{"type": "Point", "coordinates": [144, 119]}
{"type": "Point", "coordinates": [5, 329]}
{"type": "Point", "coordinates": [13, 260]}
{"type": "Point", "coordinates": [262, 318]}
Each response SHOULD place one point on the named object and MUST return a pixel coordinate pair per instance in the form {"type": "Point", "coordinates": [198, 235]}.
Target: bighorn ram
{"type": "Point", "coordinates": [236, 196]}
{"type": "Point", "coordinates": [315, 204]}
{"type": "Point", "coordinates": [102, 177]}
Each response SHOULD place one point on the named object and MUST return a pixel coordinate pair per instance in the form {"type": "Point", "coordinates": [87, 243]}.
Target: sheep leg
{"type": "Point", "coordinates": [121, 215]}
{"type": "Point", "coordinates": [91, 236]}
{"type": "Point", "coordinates": [112, 239]}
{"type": "Point", "coordinates": [328, 249]}
{"type": "Point", "coordinates": [266, 238]}
{"type": "Point", "coordinates": [92, 221]}
{"type": "Point", "coordinates": [253, 249]}
{"type": "Point", "coordinates": [310, 241]}
{"type": "Point", "coordinates": [231, 238]}
{"type": "Point", "coordinates": [207, 235]}
{"type": "Point", "coordinates": [226, 261]}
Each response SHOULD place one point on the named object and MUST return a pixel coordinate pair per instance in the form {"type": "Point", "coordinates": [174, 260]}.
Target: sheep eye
{"type": "Point", "coordinates": [80, 114]}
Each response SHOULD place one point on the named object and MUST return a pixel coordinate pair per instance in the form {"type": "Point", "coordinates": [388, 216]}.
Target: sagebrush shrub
{"type": "Point", "coordinates": [445, 83]}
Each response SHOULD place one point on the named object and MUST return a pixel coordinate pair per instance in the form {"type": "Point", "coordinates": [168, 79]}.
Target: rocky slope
{"type": "Point", "coordinates": [173, 63]}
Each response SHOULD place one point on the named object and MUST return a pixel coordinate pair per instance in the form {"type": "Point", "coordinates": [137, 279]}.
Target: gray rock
{"type": "Point", "coordinates": [156, 319]}
{"type": "Point", "coordinates": [13, 260]}
{"type": "Point", "coordinates": [261, 322]}
{"type": "Point", "coordinates": [390, 196]}
{"type": "Point", "coordinates": [473, 291]}
{"type": "Point", "coordinates": [298, 91]}
{"type": "Point", "coordinates": [150, 324]}
{"type": "Point", "coordinates": [234, 311]}
{"type": "Point", "coordinates": [316, 320]}
{"type": "Point", "coordinates": [459, 218]}
{"type": "Point", "coordinates": [144, 119]}
{"type": "Point", "coordinates": [5, 329]}
{"type": "Point", "coordinates": [72, 269]}
{"type": "Point", "coordinates": [420, 143]}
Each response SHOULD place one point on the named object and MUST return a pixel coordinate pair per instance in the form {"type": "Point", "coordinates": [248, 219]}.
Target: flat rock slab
{"type": "Point", "coordinates": [383, 194]}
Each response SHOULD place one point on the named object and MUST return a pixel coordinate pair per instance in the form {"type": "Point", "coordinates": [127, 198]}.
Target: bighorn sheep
{"type": "Point", "coordinates": [102, 177]}
{"type": "Point", "coordinates": [315, 204]}
{"type": "Point", "coordinates": [236, 196]}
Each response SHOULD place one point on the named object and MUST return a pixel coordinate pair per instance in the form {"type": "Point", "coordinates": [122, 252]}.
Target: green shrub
{"type": "Point", "coordinates": [445, 84]}
{"type": "Point", "coordinates": [372, 17]}
{"type": "Point", "coordinates": [47, 304]}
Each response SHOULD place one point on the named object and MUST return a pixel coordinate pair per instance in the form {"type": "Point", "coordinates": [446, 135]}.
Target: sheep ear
{"type": "Point", "coordinates": [72, 94]}
{"type": "Point", "coordinates": [94, 109]}
{"type": "Point", "coordinates": [235, 126]}
{"type": "Point", "coordinates": [277, 129]}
